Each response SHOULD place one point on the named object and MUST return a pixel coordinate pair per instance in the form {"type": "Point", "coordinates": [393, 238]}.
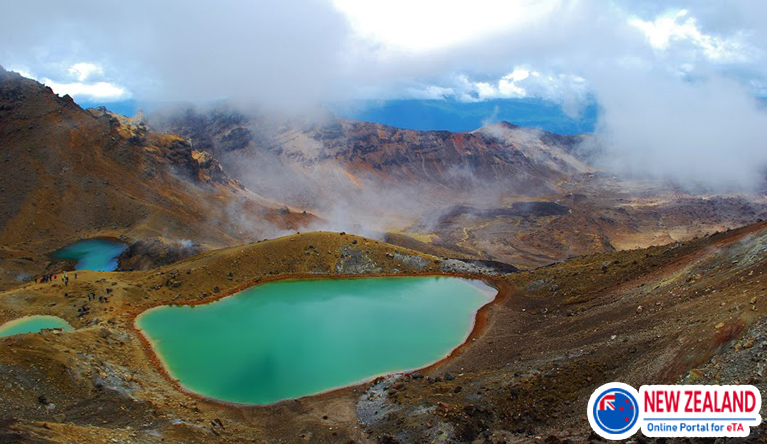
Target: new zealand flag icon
{"type": "Point", "coordinates": [616, 411]}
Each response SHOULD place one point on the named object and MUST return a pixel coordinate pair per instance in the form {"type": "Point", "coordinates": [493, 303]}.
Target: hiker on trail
{"type": "Point", "coordinates": [75, 275]}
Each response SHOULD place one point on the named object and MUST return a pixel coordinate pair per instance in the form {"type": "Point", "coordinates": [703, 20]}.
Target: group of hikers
{"type": "Point", "coordinates": [92, 297]}
{"type": "Point", "coordinates": [82, 310]}
{"type": "Point", "coordinates": [85, 309]}
{"type": "Point", "coordinates": [52, 277]}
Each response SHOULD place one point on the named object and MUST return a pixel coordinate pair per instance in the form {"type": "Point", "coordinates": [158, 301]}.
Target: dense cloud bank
{"type": "Point", "coordinates": [674, 82]}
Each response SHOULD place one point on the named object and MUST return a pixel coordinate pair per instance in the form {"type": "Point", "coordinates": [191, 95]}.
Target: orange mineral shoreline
{"type": "Point", "coordinates": [480, 323]}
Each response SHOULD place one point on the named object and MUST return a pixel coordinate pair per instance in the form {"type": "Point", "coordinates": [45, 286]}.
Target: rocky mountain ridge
{"type": "Point", "coordinates": [67, 173]}
{"type": "Point", "coordinates": [526, 159]}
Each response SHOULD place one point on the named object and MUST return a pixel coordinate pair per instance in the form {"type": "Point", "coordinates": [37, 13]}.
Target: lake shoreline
{"type": "Point", "coordinates": [91, 258]}
{"type": "Point", "coordinates": [481, 318]}
{"type": "Point", "coordinates": [9, 325]}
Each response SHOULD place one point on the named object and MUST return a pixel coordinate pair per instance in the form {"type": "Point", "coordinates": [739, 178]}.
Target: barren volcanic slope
{"type": "Point", "coordinates": [682, 312]}
{"type": "Point", "coordinates": [67, 173]}
{"type": "Point", "coordinates": [486, 194]}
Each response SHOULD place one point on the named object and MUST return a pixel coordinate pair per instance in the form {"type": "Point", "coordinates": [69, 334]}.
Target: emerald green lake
{"type": "Point", "coordinates": [33, 324]}
{"type": "Point", "coordinates": [93, 254]}
{"type": "Point", "coordinates": [288, 339]}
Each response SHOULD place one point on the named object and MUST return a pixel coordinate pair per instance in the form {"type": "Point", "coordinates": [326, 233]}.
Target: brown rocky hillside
{"type": "Point", "coordinates": [67, 173]}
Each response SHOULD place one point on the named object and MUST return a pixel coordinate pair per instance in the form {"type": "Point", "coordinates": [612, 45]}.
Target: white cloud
{"type": "Point", "coordinates": [708, 133]}
{"type": "Point", "coordinates": [506, 87]}
{"type": "Point", "coordinates": [427, 25]}
{"type": "Point", "coordinates": [431, 92]}
{"type": "Point", "coordinates": [303, 51]}
{"type": "Point", "coordinates": [73, 80]}
{"type": "Point", "coordinates": [103, 91]}
{"type": "Point", "coordinates": [568, 89]}
{"type": "Point", "coordinates": [668, 29]}
{"type": "Point", "coordinates": [84, 70]}
{"type": "Point", "coordinates": [280, 52]}
{"type": "Point", "coordinates": [517, 75]}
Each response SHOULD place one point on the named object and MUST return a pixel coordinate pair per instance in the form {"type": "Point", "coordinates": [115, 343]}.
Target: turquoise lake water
{"type": "Point", "coordinates": [33, 324]}
{"type": "Point", "coordinates": [93, 254]}
{"type": "Point", "coordinates": [288, 339]}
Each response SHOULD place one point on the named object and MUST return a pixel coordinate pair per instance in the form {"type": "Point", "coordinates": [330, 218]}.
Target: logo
{"type": "Point", "coordinates": [614, 411]}
{"type": "Point", "coordinates": [700, 410]}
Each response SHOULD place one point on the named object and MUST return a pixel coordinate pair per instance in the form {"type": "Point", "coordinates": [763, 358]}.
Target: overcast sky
{"type": "Point", "coordinates": [676, 80]}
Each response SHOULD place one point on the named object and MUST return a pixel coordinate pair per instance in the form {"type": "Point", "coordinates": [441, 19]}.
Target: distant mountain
{"type": "Point", "coordinates": [455, 116]}
{"type": "Point", "coordinates": [305, 161]}
{"type": "Point", "coordinates": [127, 107]}
{"type": "Point", "coordinates": [482, 194]}
{"type": "Point", "coordinates": [431, 115]}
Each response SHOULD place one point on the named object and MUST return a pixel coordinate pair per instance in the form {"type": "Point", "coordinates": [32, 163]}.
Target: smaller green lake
{"type": "Point", "coordinates": [33, 324]}
{"type": "Point", "coordinates": [93, 254]}
{"type": "Point", "coordinates": [289, 339]}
